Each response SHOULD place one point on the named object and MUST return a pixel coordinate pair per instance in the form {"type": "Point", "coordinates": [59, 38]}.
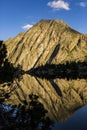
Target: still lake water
{"type": "Point", "coordinates": [77, 122]}
{"type": "Point", "coordinates": [61, 98]}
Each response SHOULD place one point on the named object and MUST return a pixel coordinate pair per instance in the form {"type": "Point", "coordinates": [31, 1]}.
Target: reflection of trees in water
{"type": "Point", "coordinates": [30, 116]}
{"type": "Point", "coordinates": [71, 70]}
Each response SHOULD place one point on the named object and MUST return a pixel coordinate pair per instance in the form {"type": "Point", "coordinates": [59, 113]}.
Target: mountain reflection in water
{"type": "Point", "coordinates": [60, 97]}
{"type": "Point", "coordinates": [77, 122]}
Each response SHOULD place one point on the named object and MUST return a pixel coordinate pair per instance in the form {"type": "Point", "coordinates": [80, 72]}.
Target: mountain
{"type": "Point", "coordinates": [48, 41]}
{"type": "Point", "coordinates": [52, 42]}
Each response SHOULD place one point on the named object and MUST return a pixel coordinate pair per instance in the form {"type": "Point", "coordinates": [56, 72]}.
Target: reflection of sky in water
{"type": "Point", "coordinates": [8, 108]}
{"type": "Point", "coordinates": [77, 122]}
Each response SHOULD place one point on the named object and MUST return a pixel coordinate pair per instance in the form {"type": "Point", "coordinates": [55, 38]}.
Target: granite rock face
{"type": "Point", "coordinates": [48, 41]}
{"type": "Point", "coordinates": [53, 42]}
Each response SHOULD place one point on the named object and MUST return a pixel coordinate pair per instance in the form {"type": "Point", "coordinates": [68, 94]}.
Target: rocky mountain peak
{"type": "Point", "coordinates": [52, 42]}
{"type": "Point", "coordinates": [51, 23]}
{"type": "Point", "coordinates": [48, 41]}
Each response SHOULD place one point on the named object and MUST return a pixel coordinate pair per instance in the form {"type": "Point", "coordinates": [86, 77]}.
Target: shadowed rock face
{"type": "Point", "coordinates": [52, 42]}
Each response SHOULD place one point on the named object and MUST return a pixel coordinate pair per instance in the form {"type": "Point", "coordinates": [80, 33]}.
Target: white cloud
{"type": "Point", "coordinates": [83, 4]}
{"type": "Point", "coordinates": [27, 26]}
{"type": "Point", "coordinates": [59, 4]}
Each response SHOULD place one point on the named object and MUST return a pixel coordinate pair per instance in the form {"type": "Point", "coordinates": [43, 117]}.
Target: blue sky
{"type": "Point", "coordinates": [19, 15]}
